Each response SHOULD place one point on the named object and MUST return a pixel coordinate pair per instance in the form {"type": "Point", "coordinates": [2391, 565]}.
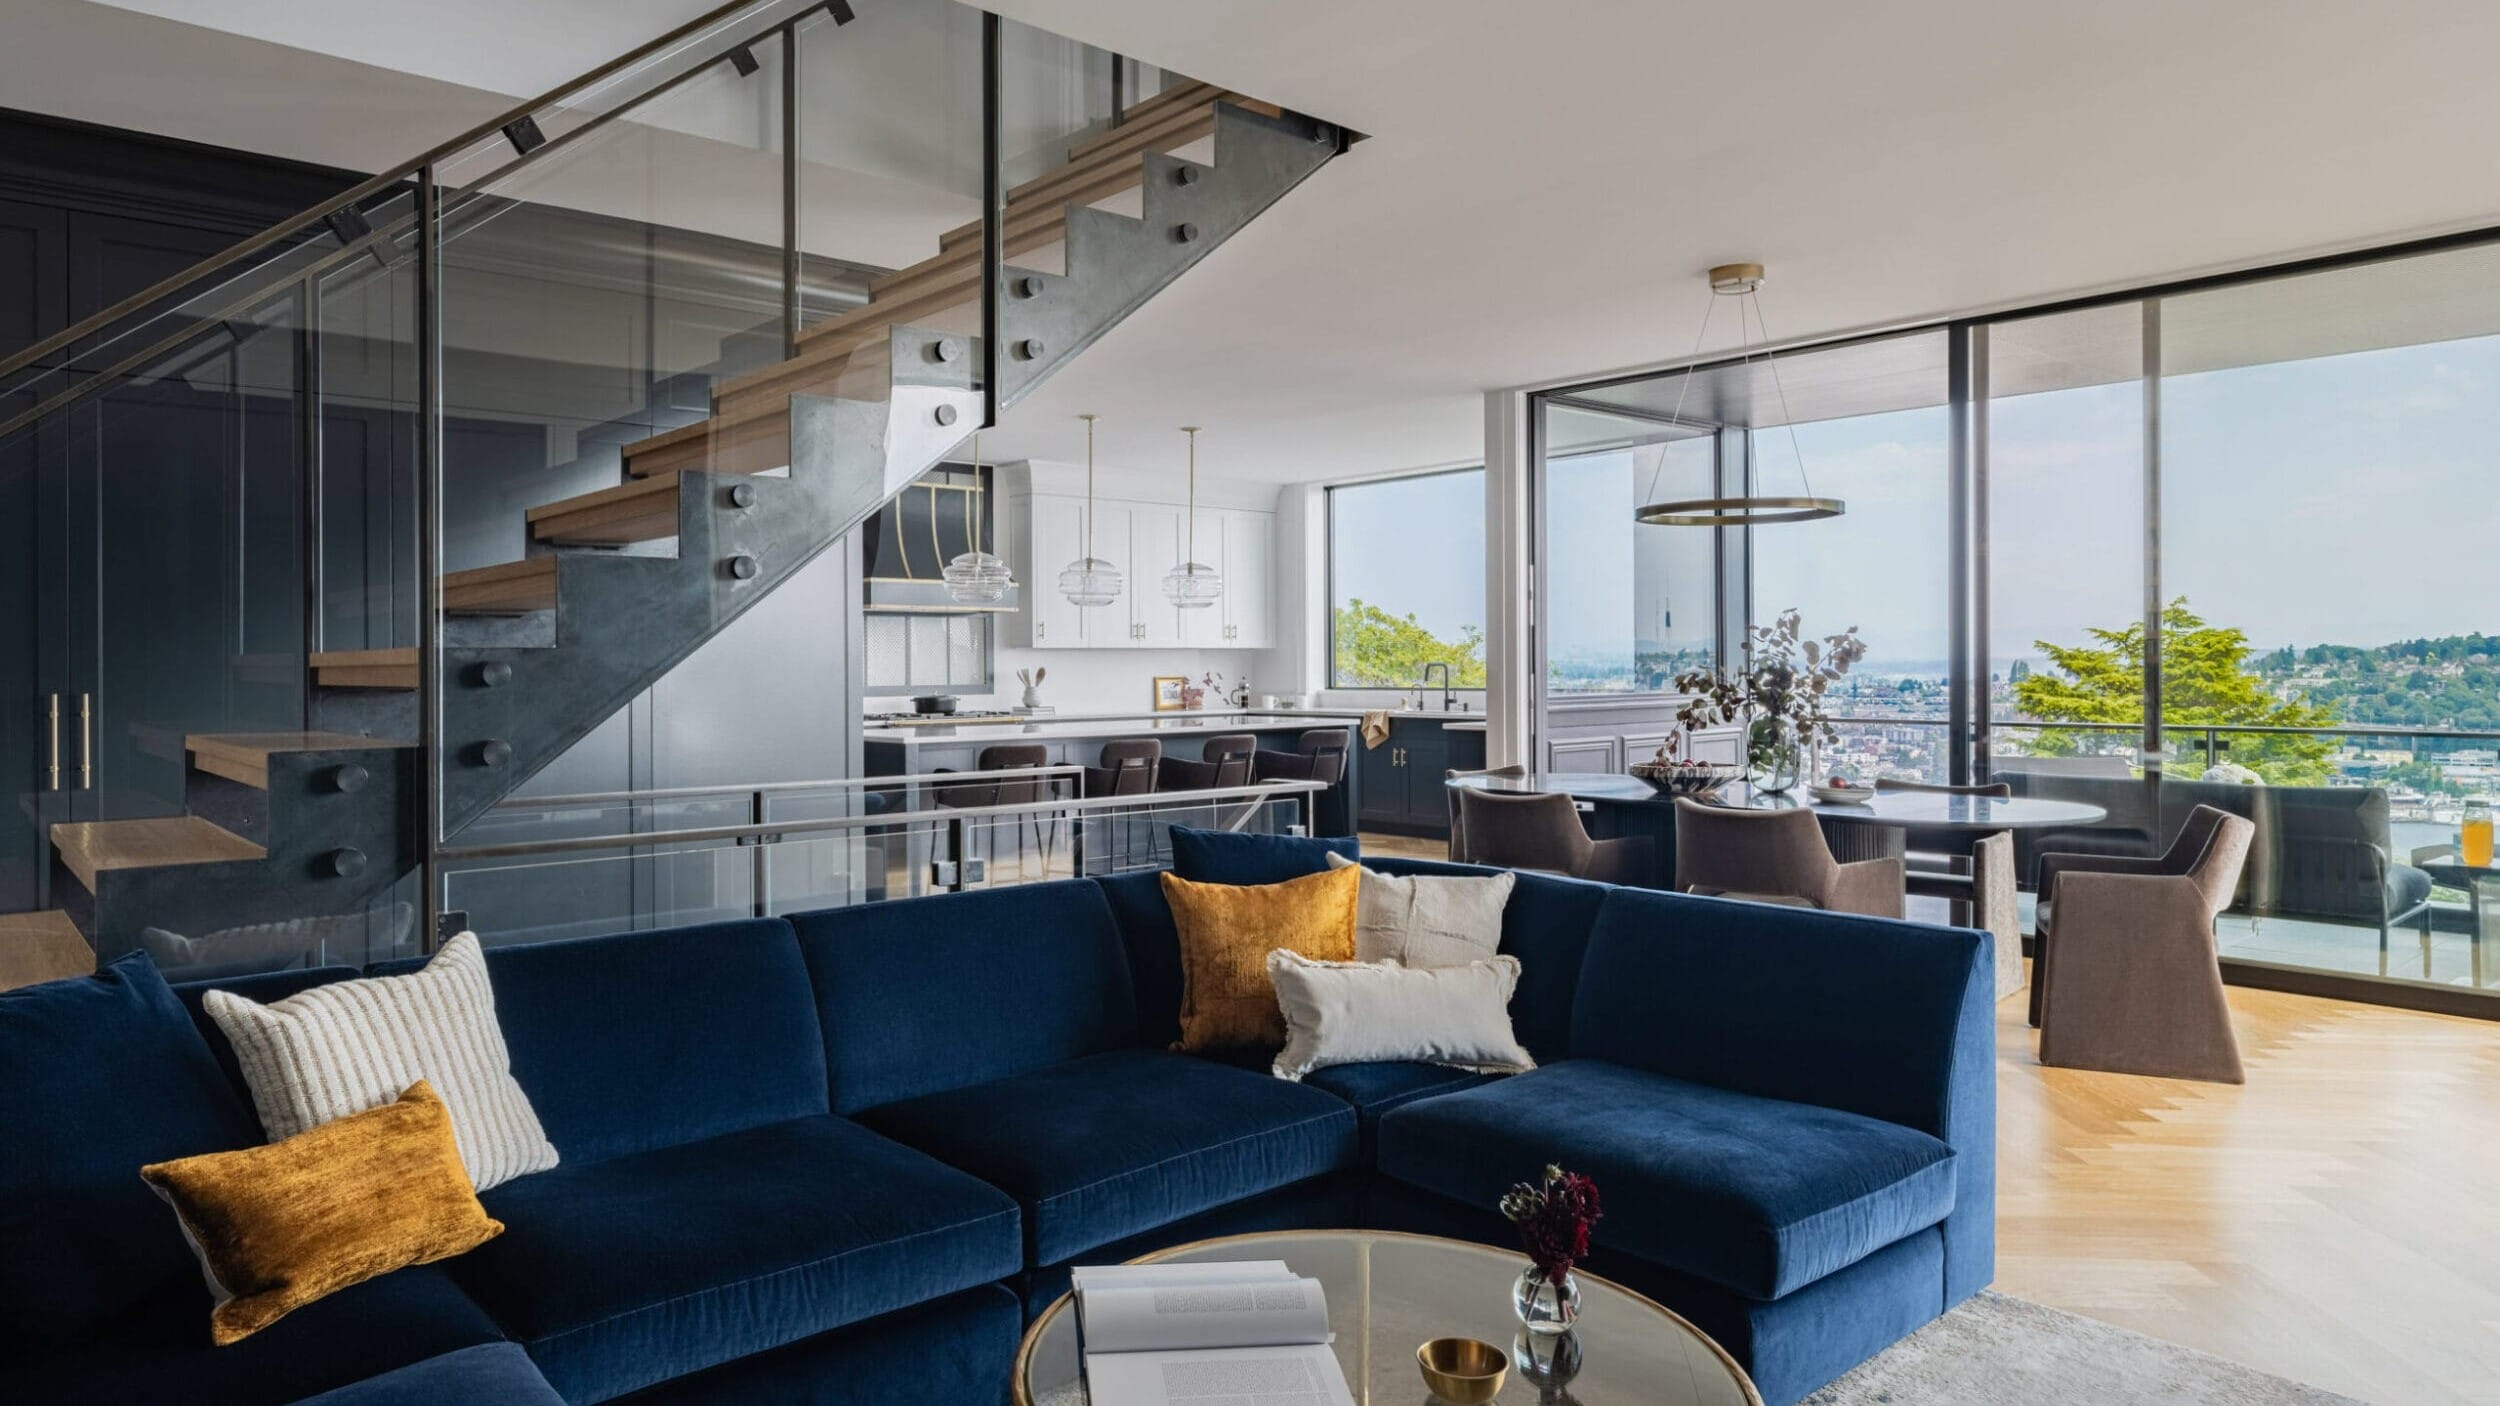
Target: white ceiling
{"type": "Point", "coordinates": [1545, 183]}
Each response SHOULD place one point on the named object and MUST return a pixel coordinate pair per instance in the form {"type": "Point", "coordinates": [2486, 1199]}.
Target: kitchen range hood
{"type": "Point", "coordinates": [945, 512]}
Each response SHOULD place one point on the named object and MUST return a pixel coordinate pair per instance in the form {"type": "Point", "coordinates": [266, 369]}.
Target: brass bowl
{"type": "Point", "coordinates": [1462, 1371]}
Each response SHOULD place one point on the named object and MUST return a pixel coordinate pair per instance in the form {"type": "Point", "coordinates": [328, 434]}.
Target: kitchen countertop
{"type": "Point", "coordinates": [1091, 725]}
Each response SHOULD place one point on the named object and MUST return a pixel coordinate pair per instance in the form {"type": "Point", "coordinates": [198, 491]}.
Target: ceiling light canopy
{"type": "Point", "coordinates": [1743, 282]}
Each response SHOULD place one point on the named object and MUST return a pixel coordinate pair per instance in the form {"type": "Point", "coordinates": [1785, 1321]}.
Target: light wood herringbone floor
{"type": "Point", "coordinates": [2336, 1220]}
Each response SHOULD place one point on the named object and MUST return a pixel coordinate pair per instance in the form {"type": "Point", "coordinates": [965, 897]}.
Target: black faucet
{"type": "Point", "coordinates": [1447, 697]}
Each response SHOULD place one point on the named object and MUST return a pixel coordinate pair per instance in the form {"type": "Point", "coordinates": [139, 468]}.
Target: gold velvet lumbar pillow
{"type": "Point", "coordinates": [1227, 930]}
{"type": "Point", "coordinates": [279, 1226]}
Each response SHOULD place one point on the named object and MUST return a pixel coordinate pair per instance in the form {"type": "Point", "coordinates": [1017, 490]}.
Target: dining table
{"type": "Point", "coordinates": [1980, 887]}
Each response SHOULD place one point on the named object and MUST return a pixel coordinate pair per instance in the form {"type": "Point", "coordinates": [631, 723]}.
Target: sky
{"type": "Point", "coordinates": [2350, 499]}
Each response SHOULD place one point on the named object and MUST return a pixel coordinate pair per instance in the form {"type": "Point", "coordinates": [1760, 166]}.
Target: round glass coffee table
{"type": "Point", "coordinates": [1390, 1293]}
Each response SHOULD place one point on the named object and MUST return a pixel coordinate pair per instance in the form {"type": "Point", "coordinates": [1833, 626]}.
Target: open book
{"type": "Point", "coordinates": [1206, 1335]}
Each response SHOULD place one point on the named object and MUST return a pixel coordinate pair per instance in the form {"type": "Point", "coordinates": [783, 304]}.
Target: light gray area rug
{"type": "Point", "coordinates": [1997, 1351]}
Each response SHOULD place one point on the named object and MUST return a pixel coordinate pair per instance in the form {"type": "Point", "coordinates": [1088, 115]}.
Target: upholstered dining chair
{"type": "Point", "coordinates": [2127, 978]}
{"type": "Point", "coordinates": [1954, 866]}
{"type": "Point", "coordinates": [1777, 856]}
{"type": "Point", "coordinates": [1543, 832]}
{"type": "Point", "coordinates": [1458, 820]}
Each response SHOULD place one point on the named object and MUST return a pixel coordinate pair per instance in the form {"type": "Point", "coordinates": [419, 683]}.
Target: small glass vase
{"type": "Point", "coordinates": [1543, 1306]}
{"type": "Point", "coordinates": [1774, 761]}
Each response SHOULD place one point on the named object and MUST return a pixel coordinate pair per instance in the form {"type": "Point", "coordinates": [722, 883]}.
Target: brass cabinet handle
{"type": "Point", "coordinates": [1041, 629]}
{"type": "Point", "coordinates": [56, 741]}
{"type": "Point", "coordinates": [86, 742]}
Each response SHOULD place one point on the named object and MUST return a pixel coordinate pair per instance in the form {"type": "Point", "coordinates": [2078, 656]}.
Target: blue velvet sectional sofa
{"type": "Point", "coordinates": [845, 1157]}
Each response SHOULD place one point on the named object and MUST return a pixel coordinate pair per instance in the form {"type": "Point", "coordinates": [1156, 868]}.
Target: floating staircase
{"type": "Point", "coordinates": [540, 651]}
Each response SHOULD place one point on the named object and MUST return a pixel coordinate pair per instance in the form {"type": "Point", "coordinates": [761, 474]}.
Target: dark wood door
{"type": "Point", "coordinates": [33, 305]}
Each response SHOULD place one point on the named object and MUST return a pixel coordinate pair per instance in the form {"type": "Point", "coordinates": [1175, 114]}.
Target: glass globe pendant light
{"type": "Point", "coordinates": [975, 577]}
{"type": "Point", "coordinates": [1089, 580]}
{"type": "Point", "coordinates": [1743, 282]}
{"type": "Point", "coordinates": [1193, 585]}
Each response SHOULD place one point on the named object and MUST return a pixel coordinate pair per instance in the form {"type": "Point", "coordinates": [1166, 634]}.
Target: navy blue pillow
{"type": "Point", "coordinates": [104, 1074]}
{"type": "Point", "coordinates": [1229, 857]}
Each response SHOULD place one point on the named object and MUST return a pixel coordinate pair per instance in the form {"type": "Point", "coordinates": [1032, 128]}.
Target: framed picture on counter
{"type": "Point", "coordinates": [1168, 692]}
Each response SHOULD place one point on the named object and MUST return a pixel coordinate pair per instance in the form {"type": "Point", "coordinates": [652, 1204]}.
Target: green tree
{"type": "Point", "coordinates": [1378, 650]}
{"type": "Point", "coordinates": [2206, 681]}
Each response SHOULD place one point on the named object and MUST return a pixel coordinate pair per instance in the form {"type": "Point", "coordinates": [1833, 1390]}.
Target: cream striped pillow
{"type": "Point", "coordinates": [322, 1054]}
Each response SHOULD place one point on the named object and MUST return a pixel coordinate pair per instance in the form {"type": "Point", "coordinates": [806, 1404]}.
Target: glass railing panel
{"type": "Point", "coordinates": [552, 885]}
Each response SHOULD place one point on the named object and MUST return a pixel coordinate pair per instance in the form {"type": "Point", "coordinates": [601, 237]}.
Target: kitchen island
{"type": "Point", "coordinates": [915, 747]}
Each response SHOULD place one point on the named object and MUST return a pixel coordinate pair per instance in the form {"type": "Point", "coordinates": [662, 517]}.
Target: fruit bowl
{"type": "Point", "coordinates": [1842, 795]}
{"type": "Point", "coordinates": [1686, 778]}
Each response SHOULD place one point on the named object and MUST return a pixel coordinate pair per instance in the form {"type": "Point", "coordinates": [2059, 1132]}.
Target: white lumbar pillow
{"type": "Point", "coordinates": [1360, 1012]}
{"type": "Point", "coordinates": [322, 1054]}
{"type": "Point", "coordinates": [1427, 920]}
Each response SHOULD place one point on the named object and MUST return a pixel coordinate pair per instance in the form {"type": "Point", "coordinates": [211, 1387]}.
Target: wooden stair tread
{"type": "Point", "coordinates": [1103, 171]}
{"type": "Point", "coordinates": [92, 847]}
{"type": "Point", "coordinates": [365, 668]}
{"type": "Point", "coordinates": [244, 756]}
{"type": "Point", "coordinates": [43, 945]}
{"type": "Point", "coordinates": [643, 510]}
{"type": "Point", "coordinates": [507, 588]}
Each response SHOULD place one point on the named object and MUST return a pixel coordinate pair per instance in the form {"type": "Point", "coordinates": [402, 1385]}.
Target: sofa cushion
{"type": "Point", "coordinates": [490, 1372]}
{"type": "Point", "coordinates": [1376, 1088]}
{"type": "Point", "coordinates": [1230, 857]}
{"type": "Point", "coordinates": [104, 1074]}
{"type": "Point", "coordinates": [157, 1353]}
{"type": "Point", "coordinates": [926, 994]}
{"type": "Point", "coordinates": [625, 1272]}
{"type": "Point", "coordinates": [1755, 1195]}
{"type": "Point", "coordinates": [649, 1039]}
{"type": "Point", "coordinates": [1546, 925]}
{"type": "Point", "coordinates": [1113, 1144]}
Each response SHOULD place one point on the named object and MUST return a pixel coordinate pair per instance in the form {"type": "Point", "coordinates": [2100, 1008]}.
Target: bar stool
{"type": "Point", "coordinates": [1318, 755]}
{"type": "Point", "coordinates": [1005, 791]}
{"type": "Point", "coordinates": [1129, 767]}
{"type": "Point", "coordinates": [1224, 761]}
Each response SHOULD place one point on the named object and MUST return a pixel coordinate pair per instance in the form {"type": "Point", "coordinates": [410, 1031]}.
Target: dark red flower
{"type": "Point", "coordinates": [1554, 1215]}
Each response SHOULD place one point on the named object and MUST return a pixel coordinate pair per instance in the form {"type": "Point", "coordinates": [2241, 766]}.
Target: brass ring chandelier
{"type": "Point", "coordinates": [1743, 281]}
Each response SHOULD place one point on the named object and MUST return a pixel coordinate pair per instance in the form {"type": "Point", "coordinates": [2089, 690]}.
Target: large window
{"type": "Point", "coordinates": [1629, 607]}
{"type": "Point", "coordinates": [2223, 546]}
{"type": "Point", "coordinates": [1406, 580]}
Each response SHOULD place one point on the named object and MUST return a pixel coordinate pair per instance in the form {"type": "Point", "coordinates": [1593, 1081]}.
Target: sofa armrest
{"type": "Point", "coordinates": [1890, 1019]}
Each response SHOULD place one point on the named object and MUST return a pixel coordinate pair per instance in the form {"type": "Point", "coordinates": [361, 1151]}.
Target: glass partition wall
{"type": "Point", "coordinates": [2222, 544]}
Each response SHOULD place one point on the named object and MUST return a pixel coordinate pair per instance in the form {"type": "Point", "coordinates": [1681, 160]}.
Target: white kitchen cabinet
{"type": "Point", "coordinates": [1249, 568]}
{"type": "Point", "coordinates": [1055, 536]}
{"type": "Point", "coordinates": [1154, 543]}
{"type": "Point", "coordinates": [1145, 540]}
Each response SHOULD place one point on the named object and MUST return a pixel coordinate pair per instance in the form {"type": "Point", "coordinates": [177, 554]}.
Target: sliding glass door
{"type": "Point", "coordinates": [2218, 545]}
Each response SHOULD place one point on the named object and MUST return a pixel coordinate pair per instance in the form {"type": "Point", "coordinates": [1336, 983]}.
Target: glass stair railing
{"type": "Point", "coordinates": [397, 502]}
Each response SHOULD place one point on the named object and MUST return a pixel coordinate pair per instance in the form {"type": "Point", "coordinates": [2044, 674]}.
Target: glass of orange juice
{"type": "Point", "coordinates": [2474, 835]}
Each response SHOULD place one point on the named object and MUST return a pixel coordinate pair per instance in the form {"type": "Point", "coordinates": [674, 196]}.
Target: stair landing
{"type": "Point", "coordinates": [93, 847]}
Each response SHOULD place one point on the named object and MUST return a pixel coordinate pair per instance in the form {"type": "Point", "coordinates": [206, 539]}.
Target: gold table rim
{"type": "Point", "coordinates": [1033, 1331]}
